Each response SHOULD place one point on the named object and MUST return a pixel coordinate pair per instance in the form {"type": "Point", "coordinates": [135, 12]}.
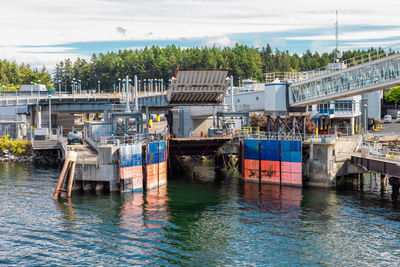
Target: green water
{"type": "Point", "coordinates": [199, 222]}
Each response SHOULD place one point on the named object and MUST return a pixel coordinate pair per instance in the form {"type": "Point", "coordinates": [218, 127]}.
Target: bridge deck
{"type": "Point", "coordinates": [379, 165]}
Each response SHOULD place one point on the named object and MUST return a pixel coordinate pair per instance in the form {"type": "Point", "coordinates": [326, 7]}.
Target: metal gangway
{"type": "Point", "coordinates": [367, 73]}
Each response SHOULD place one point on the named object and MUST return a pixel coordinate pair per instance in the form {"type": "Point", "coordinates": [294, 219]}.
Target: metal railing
{"type": "Point", "coordinates": [131, 139]}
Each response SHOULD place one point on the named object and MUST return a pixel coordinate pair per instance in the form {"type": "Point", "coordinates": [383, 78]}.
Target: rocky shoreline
{"type": "Point", "coordinates": [8, 156]}
{"type": "Point", "coordinates": [42, 158]}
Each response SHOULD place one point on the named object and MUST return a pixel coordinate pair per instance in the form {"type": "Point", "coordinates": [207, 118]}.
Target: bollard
{"type": "Point", "coordinates": [150, 123]}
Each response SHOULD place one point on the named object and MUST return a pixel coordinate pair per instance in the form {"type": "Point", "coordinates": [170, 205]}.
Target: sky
{"type": "Point", "coordinates": [44, 32]}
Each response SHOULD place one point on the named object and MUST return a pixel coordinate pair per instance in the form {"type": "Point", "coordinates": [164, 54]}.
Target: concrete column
{"type": "Point", "coordinates": [352, 122]}
{"type": "Point", "coordinates": [38, 116]}
{"type": "Point", "coordinates": [114, 186]}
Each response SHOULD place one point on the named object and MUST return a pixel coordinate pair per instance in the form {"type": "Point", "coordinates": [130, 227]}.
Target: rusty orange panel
{"type": "Point", "coordinates": [152, 176]}
{"type": "Point", "coordinates": [162, 171]}
{"type": "Point", "coordinates": [251, 170]}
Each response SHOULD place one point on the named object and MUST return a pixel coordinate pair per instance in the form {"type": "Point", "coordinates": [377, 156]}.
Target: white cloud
{"type": "Point", "coordinates": [277, 42]}
{"type": "Point", "coordinates": [57, 22]}
{"type": "Point", "coordinates": [222, 41]}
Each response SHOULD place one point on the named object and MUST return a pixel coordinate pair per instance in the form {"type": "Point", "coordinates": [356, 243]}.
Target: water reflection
{"type": "Point", "coordinates": [269, 197]}
{"type": "Point", "coordinates": [65, 207]}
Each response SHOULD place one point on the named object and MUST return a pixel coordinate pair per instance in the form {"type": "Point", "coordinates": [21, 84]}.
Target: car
{"type": "Point", "coordinates": [398, 116]}
{"type": "Point", "coordinates": [387, 119]}
{"type": "Point", "coordinates": [74, 137]}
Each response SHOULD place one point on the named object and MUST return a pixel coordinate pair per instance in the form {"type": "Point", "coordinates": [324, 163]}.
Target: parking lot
{"type": "Point", "coordinates": [389, 129]}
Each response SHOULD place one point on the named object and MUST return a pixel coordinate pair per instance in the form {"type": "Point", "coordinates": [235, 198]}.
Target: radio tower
{"type": "Point", "coordinates": [336, 52]}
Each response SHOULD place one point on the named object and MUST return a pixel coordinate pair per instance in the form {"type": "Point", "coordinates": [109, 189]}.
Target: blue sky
{"type": "Point", "coordinates": [43, 32]}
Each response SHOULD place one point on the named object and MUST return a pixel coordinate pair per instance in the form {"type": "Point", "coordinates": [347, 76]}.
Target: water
{"type": "Point", "coordinates": [194, 222]}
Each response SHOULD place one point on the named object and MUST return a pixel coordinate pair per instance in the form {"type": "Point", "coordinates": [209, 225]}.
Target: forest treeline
{"type": "Point", "coordinates": [13, 75]}
{"type": "Point", "coordinates": [161, 62]}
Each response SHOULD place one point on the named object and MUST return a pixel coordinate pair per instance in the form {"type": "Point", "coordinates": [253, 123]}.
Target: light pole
{"type": "Point", "coordinates": [129, 89]}
{"type": "Point", "coordinates": [365, 119]}
{"type": "Point", "coordinates": [39, 88]}
{"type": "Point", "coordinates": [80, 86]}
{"type": "Point", "coordinates": [50, 116]}
{"type": "Point", "coordinates": [123, 91]}
{"type": "Point", "coordinates": [31, 89]}
{"type": "Point", "coordinates": [119, 87]}
{"type": "Point", "coordinates": [127, 109]}
{"type": "Point", "coordinates": [59, 87]}
{"type": "Point", "coordinates": [98, 86]}
{"type": "Point", "coordinates": [136, 93]}
{"type": "Point", "coordinates": [232, 102]}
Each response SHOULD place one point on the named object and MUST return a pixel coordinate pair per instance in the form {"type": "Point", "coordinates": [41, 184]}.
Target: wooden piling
{"type": "Point", "coordinates": [71, 179]}
{"type": "Point", "coordinates": [69, 167]}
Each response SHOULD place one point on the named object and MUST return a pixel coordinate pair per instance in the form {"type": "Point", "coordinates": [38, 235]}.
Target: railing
{"type": "Point", "coordinates": [355, 61]}
{"type": "Point", "coordinates": [131, 139]}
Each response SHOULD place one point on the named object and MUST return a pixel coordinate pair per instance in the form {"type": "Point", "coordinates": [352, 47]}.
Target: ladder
{"type": "Point", "coordinates": [68, 168]}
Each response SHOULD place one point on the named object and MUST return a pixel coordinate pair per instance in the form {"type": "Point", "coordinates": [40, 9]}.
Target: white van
{"type": "Point", "coordinates": [387, 119]}
{"type": "Point", "coordinates": [398, 116]}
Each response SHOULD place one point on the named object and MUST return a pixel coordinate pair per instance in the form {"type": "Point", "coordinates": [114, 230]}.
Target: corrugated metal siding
{"type": "Point", "coordinates": [98, 130]}
{"type": "Point", "coordinates": [198, 86]}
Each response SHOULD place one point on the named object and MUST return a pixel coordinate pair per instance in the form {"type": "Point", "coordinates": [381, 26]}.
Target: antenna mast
{"type": "Point", "coordinates": [336, 52]}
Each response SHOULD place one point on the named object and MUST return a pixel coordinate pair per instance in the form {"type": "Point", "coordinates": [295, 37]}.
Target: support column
{"type": "Point", "coordinates": [352, 122]}
{"type": "Point", "coordinates": [38, 116]}
{"type": "Point", "coordinates": [395, 187]}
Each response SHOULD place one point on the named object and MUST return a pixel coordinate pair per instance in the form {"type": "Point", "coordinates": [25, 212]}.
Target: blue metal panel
{"type": "Point", "coordinates": [295, 156]}
{"type": "Point", "coordinates": [285, 156]}
{"type": "Point", "coordinates": [152, 153]}
{"type": "Point", "coordinates": [295, 145]}
{"type": "Point", "coordinates": [251, 149]}
{"type": "Point", "coordinates": [286, 145]}
{"type": "Point", "coordinates": [269, 150]}
{"type": "Point", "coordinates": [162, 151]}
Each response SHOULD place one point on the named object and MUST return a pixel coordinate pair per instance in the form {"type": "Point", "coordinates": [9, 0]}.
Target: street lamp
{"type": "Point", "coordinates": [59, 87]}
{"type": "Point", "coordinates": [98, 84]}
{"type": "Point", "coordinates": [365, 119]}
{"type": "Point", "coordinates": [119, 85]}
{"type": "Point", "coordinates": [39, 87]}
{"type": "Point", "coordinates": [123, 92]}
{"type": "Point", "coordinates": [80, 86]}
{"type": "Point", "coordinates": [50, 116]}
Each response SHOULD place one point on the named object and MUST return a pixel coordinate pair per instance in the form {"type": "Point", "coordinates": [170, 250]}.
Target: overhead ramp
{"type": "Point", "coordinates": [198, 87]}
{"type": "Point", "coordinates": [370, 75]}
